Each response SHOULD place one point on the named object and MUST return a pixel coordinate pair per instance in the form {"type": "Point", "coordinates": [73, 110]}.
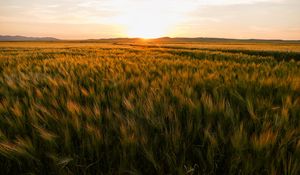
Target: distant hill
{"type": "Point", "coordinates": [24, 38]}
{"type": "Point", "coordinates": [186, 40]}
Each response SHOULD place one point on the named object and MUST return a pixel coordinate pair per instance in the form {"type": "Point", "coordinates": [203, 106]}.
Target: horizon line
{"type": "Point", "coordinates": [163, 37]}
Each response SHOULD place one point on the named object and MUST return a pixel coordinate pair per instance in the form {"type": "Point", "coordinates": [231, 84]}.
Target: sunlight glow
{"type": "Point", "coordinates": [144, 25]}
{"type": "Point", "coordinates": [152, 19]}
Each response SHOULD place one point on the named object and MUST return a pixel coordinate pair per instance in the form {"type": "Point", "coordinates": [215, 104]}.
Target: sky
{"type": "Point", "coordinates": [86, 19]}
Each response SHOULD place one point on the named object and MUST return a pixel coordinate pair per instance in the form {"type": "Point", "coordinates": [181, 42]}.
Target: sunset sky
{"type": "Point", "coordinates": [83, 19]}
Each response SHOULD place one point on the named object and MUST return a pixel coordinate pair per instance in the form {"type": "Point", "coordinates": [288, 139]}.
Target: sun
{"type": "Point", "coordinates": [151, 19]}
{"type": "Point", "coordinates": [146, 30]}
{"type": "Point", "coordinates": [143, 24]}
{"type": "Point", "coordinates": [146, 26]}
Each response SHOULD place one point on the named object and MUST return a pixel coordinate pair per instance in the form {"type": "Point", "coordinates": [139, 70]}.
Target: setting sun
{"type": "Point", "coordinates": [149, 28]}
{"type": "Point", "coordinates": [144, 25]}
{"type": "Point", "coordinates": [151, 19]}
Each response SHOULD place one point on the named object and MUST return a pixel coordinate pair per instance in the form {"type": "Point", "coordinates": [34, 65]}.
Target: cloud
{"type": "Point", "coordinates": [232, 2]}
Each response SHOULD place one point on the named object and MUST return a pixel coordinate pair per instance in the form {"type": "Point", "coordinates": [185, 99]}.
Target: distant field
{"type": "Point", "coordinates": [287, 47]}
{"type": "Point", "coordinates": [149, 108]}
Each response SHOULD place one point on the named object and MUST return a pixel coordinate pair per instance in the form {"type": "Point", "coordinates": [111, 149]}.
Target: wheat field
{"type": "Point", "coordinates": [136, 108]}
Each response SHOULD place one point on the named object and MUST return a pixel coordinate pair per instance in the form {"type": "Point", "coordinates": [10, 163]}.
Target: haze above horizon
{"type": "Point", "coordinates": [83, 19]}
